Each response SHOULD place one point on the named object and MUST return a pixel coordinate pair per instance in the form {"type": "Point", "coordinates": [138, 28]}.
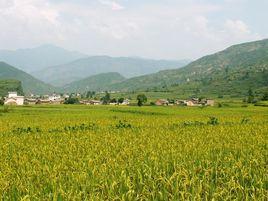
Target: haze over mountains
{"type": "Point", "coordinates": [34, 59]}
{"type": "Point", "coordinates": [232, 71]}
{"type": "Point", "coordinates": [82, 68]}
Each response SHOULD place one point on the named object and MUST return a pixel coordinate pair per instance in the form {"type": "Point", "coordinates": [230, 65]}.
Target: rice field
{"type": "Point", "coordinates": [130, 153]}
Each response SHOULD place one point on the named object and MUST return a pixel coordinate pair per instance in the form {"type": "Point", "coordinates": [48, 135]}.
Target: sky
{"type": "Point", "coordinates": [159, 29]}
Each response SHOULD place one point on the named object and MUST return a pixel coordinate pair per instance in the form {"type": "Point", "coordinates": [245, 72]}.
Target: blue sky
{"type": "Point", "coordinates": [168, 29]}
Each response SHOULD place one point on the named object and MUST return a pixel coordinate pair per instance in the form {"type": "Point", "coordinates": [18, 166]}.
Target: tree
{"type": "Point", "coordinates": [250, 96]}
{"type": "Point", "coordinates": [141, 98]}
{"type": "Point", "coordinates": [71, 100]}
{"type": "Point", "coordinates": [106, 99]}
{"type": "Point", "coordinates": [121, 100]}
{"type": "Point", "coordinates": [265, 96]}
{"type": "Point", "coordinates": [113, 100]}
{"type": "Point", "coordinates": [2, 101]}
{"type": "Point", "coordinates": [90, 94]}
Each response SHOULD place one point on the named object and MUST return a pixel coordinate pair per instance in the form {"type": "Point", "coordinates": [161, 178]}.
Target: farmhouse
{"type": "Point", "coordinates": [125, 102]}
{"type": "Point", "coordinates": [54, 97]}
{"type": "Point", "coordinates": [160, 102]}
{"type": "Point", "coordinates": [94, 102]}
{"type": "Point", "coordinates": [31, 101]}
{"type": "Point", "coordinates": [14, 99]}
{"type": "Point", "coordinates": [193, 102]}
{"type": "Point", "coordinates": [210, 102]}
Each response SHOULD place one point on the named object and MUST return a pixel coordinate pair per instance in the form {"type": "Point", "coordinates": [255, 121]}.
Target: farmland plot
{"type": "Point", "coordinates": [130, 153]}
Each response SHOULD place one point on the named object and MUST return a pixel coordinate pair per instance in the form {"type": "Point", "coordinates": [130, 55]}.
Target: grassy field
{"type": "Point", "coordinates": [130, 153]}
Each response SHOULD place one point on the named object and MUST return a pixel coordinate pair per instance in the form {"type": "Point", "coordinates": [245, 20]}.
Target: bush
{"type": "Point", "coordinates": [123, 124]}
{"type": "Point", "coordinates": [2, 101]}
{"type": "Point", "coordinates": [213, 121]}
{"type": "Point", "coordinates": [152, 103]}
{"type": "Point", "coordinates": [245, 120]}
{"type": "Point", "coordinates": [71, 101]}
{"type": "Point", "coordinates": [6, 109]}
{"type": "Point", "coordinates": [141, 98]}
{"type": "Point", "coordinates": [265, 97]}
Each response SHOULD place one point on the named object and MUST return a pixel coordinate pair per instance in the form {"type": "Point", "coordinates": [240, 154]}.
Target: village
{"type": "Point", "coordinates": [56, 99]}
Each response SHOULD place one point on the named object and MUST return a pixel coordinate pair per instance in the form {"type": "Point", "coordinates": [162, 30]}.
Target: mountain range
{"type": "Point", "coordinates": [234, 70]}
{"type": "Point", "coordinates": [34, 59]}
{"type": "Point", "coordinates": [127, 66]}
{"type": "Point", "coordinates": [98, 82]}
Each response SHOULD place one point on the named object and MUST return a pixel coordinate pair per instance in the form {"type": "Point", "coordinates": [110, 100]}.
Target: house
{"type": "Point", "coordinates": [181, 102]}
{"type": "Point", "coordinates": [94, 102]}
{"type": "Point", "coordinates": [31, 101]}
{"type": "Point", "coordinates": [125, 102]}
{"type": "Point", "coordinates": [190, 103]}
{"type": "Point", "coordinates": [210, 102]}
{"type": "Point", "coordinates": [160, 102]}
{"type": "Point", "coordinates": [43, 101]}
{"type": "Point", "coordinates": [66, 96]}
{"type": "Point", "coordinates": [84, 102]}
{"type": "Point", "coordinates": [14, 99]}
{"type": "Point", "coordinates": [193, 102]}
{"type": "Point", "coordinates": [54, 97]}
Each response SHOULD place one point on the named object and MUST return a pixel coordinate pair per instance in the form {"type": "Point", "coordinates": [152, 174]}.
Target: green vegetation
{"type": "Point", "coordinates": [29, 83]}
{"type": "Point", "coordinates": [141, 98]}
{"type": "Point", "coordinates": [10, 85]}
{"type": "Point", "coordinates": [230, 72]}
{"type": "Point", "coordinates": [100, 82]}
{"type": "Point", "coordinates": [106, 98]}
{"type": "Point", "coordinates": [71, 100]}
{"type": "Point", "coordinates": [127, 66]}
{"type": "Point", "coordinates": [130, 153]}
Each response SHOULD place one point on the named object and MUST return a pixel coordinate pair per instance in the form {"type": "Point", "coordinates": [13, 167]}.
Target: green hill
{"type": "Point", "coordinates": [98, 82]}
{"type": "Point", "coordinates": [82, 68]}
{"type": "Point", "coordinates": [10, 85]}
{"type": "Point", "coordinates": [232, 71]}
{"type": "Point", "coordinates": [29, 83]}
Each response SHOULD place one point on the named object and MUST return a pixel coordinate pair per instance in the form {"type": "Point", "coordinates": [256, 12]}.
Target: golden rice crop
{"type": "Point", "coordinates": [129, 153]}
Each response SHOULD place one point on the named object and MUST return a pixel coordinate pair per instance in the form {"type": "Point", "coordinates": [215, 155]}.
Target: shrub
{"type": "Point", "coordinates": [152, 103]}
{"type": "Point", "coordinates": [6, 109]}
{"type": "Point", "coordinates": [141, 98]}
{"type": "Point", "coordinates": [71, 101]}
{"type": "Point", "coordinates": [245, 120]}
{"type": "Point", "coordinates": [193, 123]}
{"type": "Point", "coordinates": [213, 121]}
{"type": "Point", "coordinates": [1, 101]}
{"type": "Point", "coordinates": [123, 124]}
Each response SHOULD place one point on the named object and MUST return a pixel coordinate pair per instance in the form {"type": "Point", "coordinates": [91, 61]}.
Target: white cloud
{"type": "Point", "coordinates": [237, 27]}
{"type": "Point", "coordinates": [180, 29]}
{"type": "Point", "coordinates": [238, 31]}
{"type": "Point", "coordinates": [112, 4]}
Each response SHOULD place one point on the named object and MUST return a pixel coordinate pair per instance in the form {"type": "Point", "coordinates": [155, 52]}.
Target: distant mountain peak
{"type": "Point", "coordinates": [34, 59]}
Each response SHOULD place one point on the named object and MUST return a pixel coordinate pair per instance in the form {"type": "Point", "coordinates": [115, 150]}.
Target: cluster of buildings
{"type": "Point", "coordinates": [189, 102]}
{"type": "Point", "coordinates": [97, 102]}
{"type": "Point", "coordinates": [14, 99]}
